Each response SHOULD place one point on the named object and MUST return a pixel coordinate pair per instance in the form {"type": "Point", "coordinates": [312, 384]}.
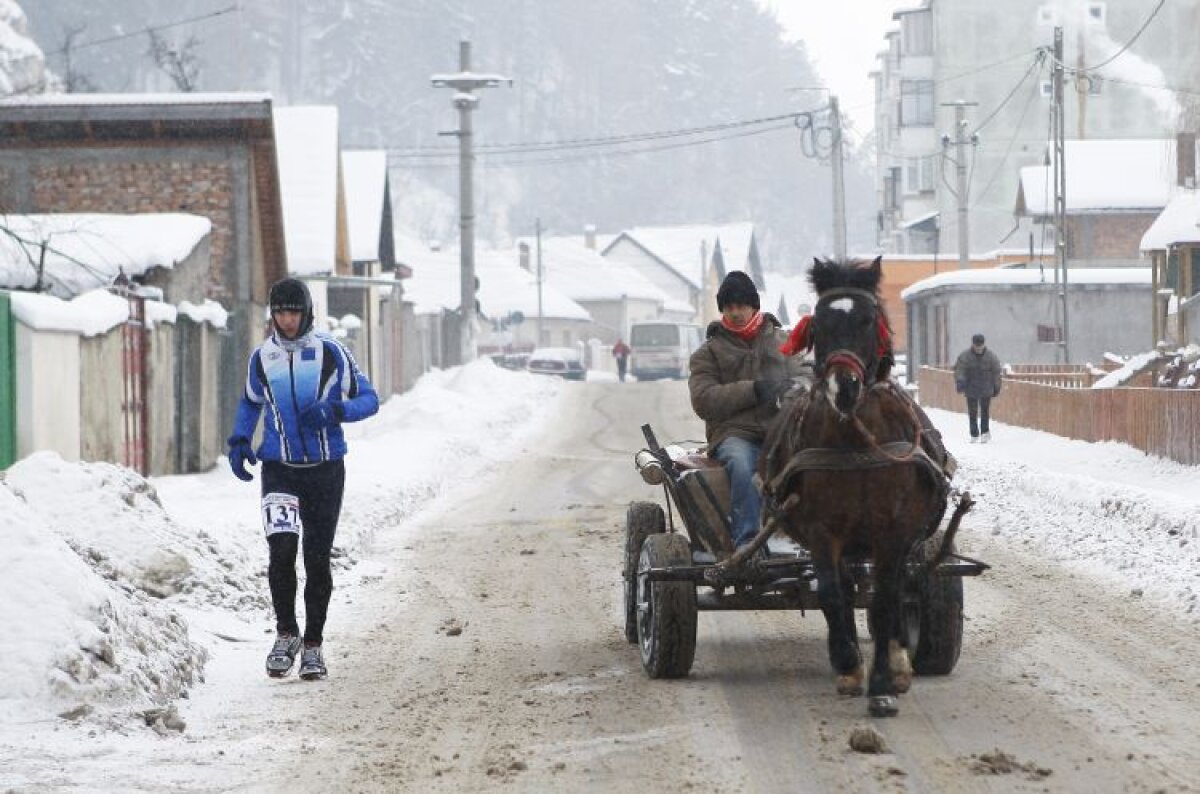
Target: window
{"type": "Point", "coordinates": [916, 33]}
{"type": "Point", "coordinates": [1047, 88]}
{"type": "Point", "coordinates": [918, 175]}
{"type": "Point", "coordinates": [1049, 333]}
{"type": "Point", "coordinates": [916, 103]}
{"type": "Point", "coordinates": [1046, 15]}
{"type": "Point", "coordinates": [1096, 13]}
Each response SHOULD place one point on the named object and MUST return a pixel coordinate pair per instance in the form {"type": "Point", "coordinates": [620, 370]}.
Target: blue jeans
{"type": "Point", "coordinates": [740, 459]}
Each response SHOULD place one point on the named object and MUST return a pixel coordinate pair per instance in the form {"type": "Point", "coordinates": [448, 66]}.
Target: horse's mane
{"type": "Point", "coordinates": [827, 274]}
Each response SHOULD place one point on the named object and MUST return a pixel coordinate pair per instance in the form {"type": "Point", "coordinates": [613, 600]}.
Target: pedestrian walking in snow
{"type": "Point", "coordinates": [620, 352]}
{"type": "Point", "coordinates": [977, 377]}
{"type": "Point", "coordinates": [309, 384]}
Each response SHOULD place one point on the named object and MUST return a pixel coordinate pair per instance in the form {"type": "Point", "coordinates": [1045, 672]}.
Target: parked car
{"type": "Point", "coordinates": [562, 361]}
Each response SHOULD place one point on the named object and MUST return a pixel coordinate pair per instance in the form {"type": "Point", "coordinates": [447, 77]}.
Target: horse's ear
{"type": "Point", "coordinates": [876, 269]}
{"type": "Point", "coordinates": [822, 275]}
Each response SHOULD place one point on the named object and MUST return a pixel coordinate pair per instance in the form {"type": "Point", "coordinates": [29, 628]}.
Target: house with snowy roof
{"type": "Point", "coordinates": [613, 292]}
{"type": "Point", "coordinates": [688, 262]}
{"type": "Point", "coordinates": [1114, 191]}
{"type": "Point", "coordinates": [372, 292]}
{"type": "Point", "coordinates": [205, 154]}
{"type": "Point", "coordinates": [1172, 244]}
{"type": "Point", "coordinates": [515, 311]}
{"type": "Point", "coordinates": [312, 197]}
{"type": "Point", "coordinates": [1019, 310]}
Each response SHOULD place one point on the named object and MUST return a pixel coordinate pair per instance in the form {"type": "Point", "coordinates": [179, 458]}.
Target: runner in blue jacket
{"type": "Point", "coordinates": [309, 385]}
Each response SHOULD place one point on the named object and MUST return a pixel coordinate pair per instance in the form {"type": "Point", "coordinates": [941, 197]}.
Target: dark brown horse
{"type": "Point", "coordinates": [844, 468]}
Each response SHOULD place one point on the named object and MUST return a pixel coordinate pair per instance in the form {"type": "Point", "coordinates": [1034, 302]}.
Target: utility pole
{"type": "Point", "coordinates": [839, 185]}
{"type": "Point", "coordinates": [1060, 197]}
{"type": "Point", "coordinates": [960, 141]}
{"type": "Point", "coordinates": [464, 83]}
{"type": "Point", "coordinates": [538, 226]}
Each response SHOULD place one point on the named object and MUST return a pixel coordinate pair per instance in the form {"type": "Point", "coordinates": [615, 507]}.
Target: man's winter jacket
{"type": "Point", "coordinates": [290, 376]}
{"type": "Point", "coordinates": [721, 384]}
{"type": "Point", "coordinates": [977, 375]}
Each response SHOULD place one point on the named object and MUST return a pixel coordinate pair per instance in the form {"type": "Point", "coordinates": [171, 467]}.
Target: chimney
{"type": "Point", "coordinates": [1185, 158]}
{"type": "Point", "coordinates": [523, 249]}
{"type": "Point", "coordinates": [589, 236]}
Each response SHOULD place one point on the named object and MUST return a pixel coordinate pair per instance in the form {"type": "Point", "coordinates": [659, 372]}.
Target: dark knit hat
{"type": "Point", "coordinates": [737, 288]}
{"type": "Point", "coordinates": [977, 339]}
{"type": "Point", "coordinates": [292, 295]}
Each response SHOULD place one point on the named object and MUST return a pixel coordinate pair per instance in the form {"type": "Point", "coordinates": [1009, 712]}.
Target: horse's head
{"type": "Point", "coordinates": [846, 328]}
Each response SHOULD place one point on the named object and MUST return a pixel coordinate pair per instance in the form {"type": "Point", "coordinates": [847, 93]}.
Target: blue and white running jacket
{"type": "Point", "coordinates": [286, 377]}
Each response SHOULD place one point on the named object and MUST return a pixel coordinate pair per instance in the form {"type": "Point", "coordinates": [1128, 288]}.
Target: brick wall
{"type": "Point", "coordinates": [1107, 235]}
{"type": "Point", "coordinates": [200, 188]}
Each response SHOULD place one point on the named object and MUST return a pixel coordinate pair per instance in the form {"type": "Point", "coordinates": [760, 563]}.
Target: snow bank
{"type": "Point", "coordinates": [103, 565]}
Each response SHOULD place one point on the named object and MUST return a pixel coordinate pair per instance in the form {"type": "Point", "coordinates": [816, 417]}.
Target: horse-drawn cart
{"type": "Point", "coordinates": [669, 576]}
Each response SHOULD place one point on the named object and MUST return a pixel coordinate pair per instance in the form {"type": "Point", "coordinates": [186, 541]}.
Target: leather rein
{"type": "Point", "coordinates": [849, 360]}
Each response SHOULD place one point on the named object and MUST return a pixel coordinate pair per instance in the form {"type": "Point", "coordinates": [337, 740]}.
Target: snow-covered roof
{"type": "Point", "coordinates": [87, 251]}
{"type": "Point", "coordinates": [1107, 174]}
{"type": "Point", "coordinates": [583, 274]}
{"type": "Point", "coordinates": [504, 286]}
{"type": "Point", "coordinates": [1006, 276]}
{"type": "Point", "coordinates": [306, 142]}
{"type": "Point", "coordinates": [364, 174]}
{"type": "Point", "coordinates": [1179, 222]}
{"type": "Point", "coordinates": [134, 98]}
{"type": "Point", "coordinates": [92, 313]}
{"type": "Point", "coordinates": [688, 249]}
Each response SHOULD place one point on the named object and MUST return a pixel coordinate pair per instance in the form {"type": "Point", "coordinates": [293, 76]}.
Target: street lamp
{"type": "Point", "coordinates": [464, 82]}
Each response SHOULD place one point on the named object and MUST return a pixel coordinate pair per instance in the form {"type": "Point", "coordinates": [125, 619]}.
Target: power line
{"type": "Point", "coordinates": [601, 155]}
{"type": "Point", "coordinates": [585, 143]}
{"type": "Point", "coordinates": [147, 29]}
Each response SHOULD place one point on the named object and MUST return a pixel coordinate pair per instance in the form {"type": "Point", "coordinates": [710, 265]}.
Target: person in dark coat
{"type": "Point", "coordinates": [737, 379]}
{"type": "Point", "coordinates": [977, 377]}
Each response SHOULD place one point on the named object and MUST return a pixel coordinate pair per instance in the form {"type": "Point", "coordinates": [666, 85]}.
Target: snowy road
{"type": "Point", "coordinates": [1065, 683]}
{"type": "Point", "coordinates": [481, 648]}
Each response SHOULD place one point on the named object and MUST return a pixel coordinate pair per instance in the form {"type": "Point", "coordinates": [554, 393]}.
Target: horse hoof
{"type": "Point", "coordinates": [851, 685]}
{"type": "Point", "coordinates": [902, 682]}
{"type": "Point", "coordinates": [883, 706]}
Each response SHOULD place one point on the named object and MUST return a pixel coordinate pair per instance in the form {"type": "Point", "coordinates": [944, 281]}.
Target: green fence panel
{"type": "Point", "coordinates": [8, 384]}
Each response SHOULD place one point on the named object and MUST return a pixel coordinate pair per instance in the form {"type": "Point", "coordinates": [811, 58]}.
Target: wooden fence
{"type": "Point", "coordinates": [1163, 422]}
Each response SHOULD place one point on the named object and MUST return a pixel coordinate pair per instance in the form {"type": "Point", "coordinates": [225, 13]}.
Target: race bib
{"type": "Point", "coordinates": [281, 513]}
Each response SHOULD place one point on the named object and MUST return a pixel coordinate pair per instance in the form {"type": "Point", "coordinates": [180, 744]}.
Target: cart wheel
{"type": "Point", "coordinates": [666, 611]}
{"type": "Point", "coordinates": [642, 520]}
{"type": "Point", "coordinates": [933, 616]}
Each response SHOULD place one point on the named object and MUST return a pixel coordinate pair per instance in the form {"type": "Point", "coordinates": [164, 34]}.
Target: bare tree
{"type": "Point", "coordinates": [74, 81]}
{"type": "Point", "coordinates": [181, 63]}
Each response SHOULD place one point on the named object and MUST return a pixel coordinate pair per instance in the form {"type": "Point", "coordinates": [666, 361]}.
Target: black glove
{"type": "Point", "coordinates": [241, 453]}
{"type": "Point", "coordinates": [769, 392]}
{"type": "Point", "coordinates": [322, 414]}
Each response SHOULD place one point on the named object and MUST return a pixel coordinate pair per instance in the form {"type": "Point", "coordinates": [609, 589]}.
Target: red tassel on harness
{"type": "Point", "coordinates": [799, 340]}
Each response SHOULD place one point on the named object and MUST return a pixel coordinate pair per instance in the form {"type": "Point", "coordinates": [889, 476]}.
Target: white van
{"type": "Point", "coordinates": [662, 349]}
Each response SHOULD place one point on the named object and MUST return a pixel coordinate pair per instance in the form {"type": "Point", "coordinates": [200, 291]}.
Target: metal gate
{"type": "Point", "coordinates": [133, 404]}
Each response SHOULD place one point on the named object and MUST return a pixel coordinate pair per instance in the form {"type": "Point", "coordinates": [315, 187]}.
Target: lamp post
{"type": "Point", "coordinates": [464, 83]}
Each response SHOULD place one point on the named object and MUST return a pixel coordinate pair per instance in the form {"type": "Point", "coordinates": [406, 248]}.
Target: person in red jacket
{"type": "Point", "coordinates": [621, 352]}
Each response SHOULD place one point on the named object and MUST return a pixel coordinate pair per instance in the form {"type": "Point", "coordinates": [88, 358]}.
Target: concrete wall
{"type": "Point", "coordinates": [188, 279]}
{"type": "Point", "coordinates": [1102, 318]}
{"type": "Point", "coordinates": [48, 410]}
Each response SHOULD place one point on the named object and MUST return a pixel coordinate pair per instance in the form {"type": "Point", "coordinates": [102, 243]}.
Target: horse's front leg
{"type": "Point", "coordinates": [890, 674]}
{"type": "Point", "coordinates": [835, 597]}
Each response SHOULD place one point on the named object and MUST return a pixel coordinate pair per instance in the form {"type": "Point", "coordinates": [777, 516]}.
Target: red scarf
{"type": "Point", "coordinates": [800, 339]}
{"type": "Point", "coordinates": [746, 332]}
